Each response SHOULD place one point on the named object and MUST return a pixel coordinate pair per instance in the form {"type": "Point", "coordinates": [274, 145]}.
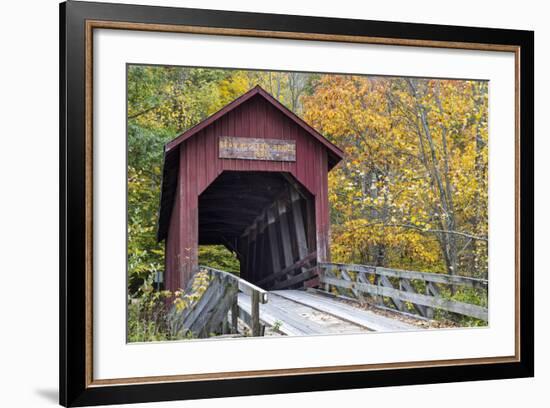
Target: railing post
{"type": "Point", "coordinates": [429, 310]}
{"type": "Point", "coordinates": [379, 298]}
{"type": "Point", "coordinates": [323, 272]}
{"type": "Point", "coordinates": [255, 313]}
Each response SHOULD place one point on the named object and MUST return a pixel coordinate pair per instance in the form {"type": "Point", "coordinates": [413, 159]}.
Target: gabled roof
{"type": "Point", "coordinates": [334, 151]}
{"type": "Point", "coordinates": [171, 149]}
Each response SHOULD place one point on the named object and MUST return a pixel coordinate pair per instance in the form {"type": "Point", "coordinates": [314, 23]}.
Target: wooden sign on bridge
{"type": "Point", "coordinates": [250, 148]}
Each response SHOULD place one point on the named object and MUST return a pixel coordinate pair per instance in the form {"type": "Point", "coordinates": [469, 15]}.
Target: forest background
{"type": "Point", "coordinates": [411, 192]}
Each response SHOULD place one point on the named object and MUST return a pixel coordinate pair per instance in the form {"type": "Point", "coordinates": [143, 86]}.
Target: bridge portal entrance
{"type": "Point", "coordinates": [268, 220]}
{"type": "Point", "coordinates": [252, 177]}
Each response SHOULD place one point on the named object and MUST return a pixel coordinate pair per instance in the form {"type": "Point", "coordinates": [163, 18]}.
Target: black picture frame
{"type": "Point", "coordinates": [75, 389]}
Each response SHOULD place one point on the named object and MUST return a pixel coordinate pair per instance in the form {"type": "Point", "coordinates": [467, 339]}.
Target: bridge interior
{"type": "Point", "coordinates": [268, 220]}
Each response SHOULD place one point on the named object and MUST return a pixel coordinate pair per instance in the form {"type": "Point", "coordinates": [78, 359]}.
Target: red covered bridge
{"type": "Point", "coordinates": [252, 177]}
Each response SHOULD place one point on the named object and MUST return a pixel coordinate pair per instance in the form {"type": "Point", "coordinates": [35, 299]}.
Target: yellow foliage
{"type": "Point", "coordinates": [415, 165]}
{"type": "Point", "coordinates": [201, 281]}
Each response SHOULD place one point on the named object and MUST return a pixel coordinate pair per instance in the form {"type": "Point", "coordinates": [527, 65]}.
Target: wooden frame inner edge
{"type": "Point", "coordinates": [91, 24]}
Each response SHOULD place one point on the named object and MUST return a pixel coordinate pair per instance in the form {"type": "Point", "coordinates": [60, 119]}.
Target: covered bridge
{"type": "Point", "coordinates": [251, 177]}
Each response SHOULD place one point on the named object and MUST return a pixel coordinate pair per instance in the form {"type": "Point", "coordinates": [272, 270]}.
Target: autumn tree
{"type": "Point", "coordinates": [412, 191]}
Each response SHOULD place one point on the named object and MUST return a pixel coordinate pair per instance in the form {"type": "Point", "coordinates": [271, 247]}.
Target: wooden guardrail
{"type": "Point", "coordinates": [209, 313]}
{"type": "Point", "coordinates": [257, 296]}
{"type": "Point", "coordinates": [354, 279]}
{"type": "Point", "coordinates": [221, 296]}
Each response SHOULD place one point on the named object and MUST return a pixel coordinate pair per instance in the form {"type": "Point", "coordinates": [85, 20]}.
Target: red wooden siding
{"type": "Point", "coordinates": [199, 166]}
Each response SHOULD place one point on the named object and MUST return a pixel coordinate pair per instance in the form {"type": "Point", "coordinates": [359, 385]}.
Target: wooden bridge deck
{"type": "Point", "coordinates": [299, 313]}
{"type": "Point", "coordinates": [348, 300]}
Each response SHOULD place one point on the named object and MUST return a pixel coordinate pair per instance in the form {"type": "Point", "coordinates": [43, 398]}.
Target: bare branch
{"type": "Point", "coordinates": [424, 230]}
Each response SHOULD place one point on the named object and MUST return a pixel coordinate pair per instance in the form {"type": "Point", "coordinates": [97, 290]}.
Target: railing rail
{"type": "Point", "coordinates": [400, 273]}
{"type": "Point", "coordinates": [257, 296]}
{"type": "Point", "coordinates": [353, 279]}
{"type": "Point", "coordinates": [243, 285]}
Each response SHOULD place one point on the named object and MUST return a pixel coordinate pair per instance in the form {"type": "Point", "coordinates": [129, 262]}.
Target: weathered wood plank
{"type": "Point", "coordinates": [202, 310]}
{"type": "Point", "coordinates": [299, 225]}
{"type": "Point", "coordinates": [345, 275]}
{"type": "Point", "coordinates": [431, 289]}
{"type": "Point", "coordinates": [186, 318]}
{"type": "Point", "coordinates": [452, 306]}
{"type": "Point", "coordinates": [321, 292]}
{"type": "Point", "coordinates": [285, 233]}
{"type": "Point", "coordinates": [250, 148]}
{"type": "Point", "coordinates": [312, 319]}
{"type": "Point", "coordinates": [211, 317]}
{"type": "Point", "coordinates": [244, 286]}
{"type": "Point", "coordinates": [272, 316]}
{"type": "Point", "coordinates": [384, 281]}
{"type": "Point", "coordinates": [331, 274]}
{"type": "Point", "coordinates": [255, 313]}
{"type": "Point", "coordinates": [426, 276]}
{"type": "Point", "coordinates": [407, 285]}
{"type": "Point", "coordinates": [273, 244]}
{"type": "Point", "coordinates": [345, 312]}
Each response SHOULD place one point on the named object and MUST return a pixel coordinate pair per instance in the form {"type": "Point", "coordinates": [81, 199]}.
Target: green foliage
{"type": "Point", "coordinates": [184, 300]}
{"type": "Point", "coordinates": [218, 257]}
{"type": "Point", "coordinates": [145, 254]}
{"type": "Point", "coordinates": [277, 325]}
{"type": "Point", "coordinates": [466, 295]}
{"type": "Point", "coordinates": [156, 315]}
{"type": "Point", "coordinates": [147, 312]}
